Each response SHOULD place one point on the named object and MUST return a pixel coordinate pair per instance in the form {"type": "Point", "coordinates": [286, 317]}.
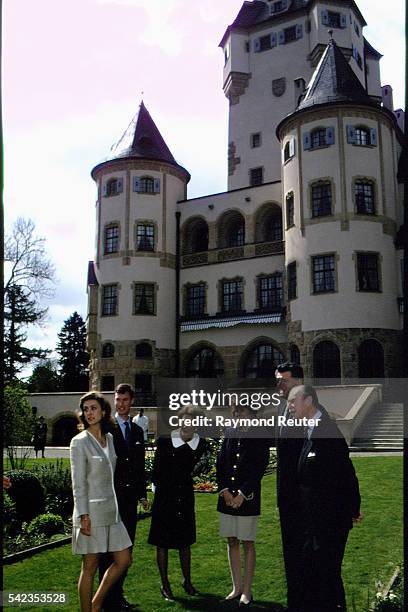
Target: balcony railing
{"type": "Point", "coordinates": [260, 249]}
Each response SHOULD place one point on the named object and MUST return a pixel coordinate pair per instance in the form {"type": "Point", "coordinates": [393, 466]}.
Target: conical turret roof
{"type": "Point", "coordinates": [142, 139]}
{"type": "Point", "coordinates": [334, 81]}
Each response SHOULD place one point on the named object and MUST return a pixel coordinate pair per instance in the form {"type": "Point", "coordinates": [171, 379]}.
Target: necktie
{"type": "Point", "coordinates": [127, 432]}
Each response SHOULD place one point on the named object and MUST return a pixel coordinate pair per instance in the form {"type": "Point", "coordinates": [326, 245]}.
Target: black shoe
{"type": "Point", "coordinates": [189, 589]}
{"type": "Point", "coordinates": [125, 606]}
{"type": "Point", "coordinates": [168, 595]}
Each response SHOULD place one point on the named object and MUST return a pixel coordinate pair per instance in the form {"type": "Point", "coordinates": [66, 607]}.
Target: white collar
{"type": "Point", "coordinates": [177, 440]}
{"type": "Point", "coordinates": [121, 420]}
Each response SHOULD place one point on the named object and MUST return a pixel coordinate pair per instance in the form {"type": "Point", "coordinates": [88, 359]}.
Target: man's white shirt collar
{"type": "Point", "coordinates": [177, 440]}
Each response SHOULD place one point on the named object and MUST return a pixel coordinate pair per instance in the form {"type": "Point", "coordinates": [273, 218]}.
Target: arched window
{"type": "Point", "coordinates": [326, 360]}
{"type": "Point", "coordinates": [205, 363]}
{"type": "Point", "coordinates": [294, 354]}
{"type": "Point", "coordinates": [364, 197]}
{"type": "Point", "coordinates": [370, 359]}
{"type": "Point", "coordinates": [231, 230]}
{"type": "Point", "coordinates": [146, 184]}
{"type": "Point", "coordinates": [268, 224]}
{"type": "Point", "coordinates": [143, 350]}
{"type": "Point", "coordinates": [113, 187]}
{"type": "Point", "coordinates": [261, 362]}
{"type": "Point", "coordinates": [108, 350]}
{"type": "Point", "coordinates": [195, 236]}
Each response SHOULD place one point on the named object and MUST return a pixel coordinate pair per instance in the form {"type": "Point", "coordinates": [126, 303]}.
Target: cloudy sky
{"type": "Point", "coordinates": [73, 76]}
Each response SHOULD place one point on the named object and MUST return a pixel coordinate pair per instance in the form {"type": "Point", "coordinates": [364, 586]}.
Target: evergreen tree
{"type": "Point", "coordinates": [45, 378]}
{"type": "Point", "coordinates": [20, 310]}
{"type": "Point", "coordinates": [74, 359]}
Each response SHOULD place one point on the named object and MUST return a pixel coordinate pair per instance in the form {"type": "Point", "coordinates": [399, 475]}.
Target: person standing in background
{"type": "Point", "coordinates": [143, 421]}
{"type": "Point", "coordinates": [40, 436]}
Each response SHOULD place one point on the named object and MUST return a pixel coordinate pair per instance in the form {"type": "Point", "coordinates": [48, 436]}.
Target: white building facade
{"type": "Point", "coordinates": [299, 260]}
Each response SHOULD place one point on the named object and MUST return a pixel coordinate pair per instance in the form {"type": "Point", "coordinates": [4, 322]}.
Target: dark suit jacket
{"type": "Point", "coordinates": [130, 478]}
{"type": "Point", "coordinates": [289, 442]}
{"type": "Point", "coordinates": [328, 485]}
{"type": "Point", "coordinates": [241, 464]}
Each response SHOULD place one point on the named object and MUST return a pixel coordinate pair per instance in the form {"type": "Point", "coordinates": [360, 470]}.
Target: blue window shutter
{"type": "Point", "coordinates": [156, 185]}
{"type": "Point", "coordinates": [281, 37]}
{"type": "Point", "coordinates": [136, 184]}
{"type": "Point", "coordinates": [272, 9]}
{"type": "Point", "coordinates": [284, 5]}
{"type": "Point", "coordinates": [119, 186]}
{"type": "Point", "coordinates": [373, 137]}
{"type": "Point", "coordinates": [291, 147]}
{"type": "Point", "coordinates": [299, 31]}
{"type": "Point", "coordinates": [105, 189]}
{"type": "Point", "coordinates": [351, 134]}
{"type": "Point", "coordinates": [330, 135]}
{"type": "Point", "coordinates": [257, 45]}
{"type": "Point", "coordinates": [325, 17]}
{"type": "Point", "coordinates": [274, 41]}
{"type": "Point", "coordinates": [343, 20]}
{"type": "Point", "coordinates": [306, 140]}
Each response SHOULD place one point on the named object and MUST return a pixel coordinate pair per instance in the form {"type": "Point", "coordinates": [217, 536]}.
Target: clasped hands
{"type": "Point", "coordinates": [231, 501]}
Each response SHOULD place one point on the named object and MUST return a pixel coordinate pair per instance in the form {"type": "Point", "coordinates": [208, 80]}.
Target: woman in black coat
{"type": "Point", "coordinates": [241, 464]}
{"type": "Point", "coordinates": [173, 517]}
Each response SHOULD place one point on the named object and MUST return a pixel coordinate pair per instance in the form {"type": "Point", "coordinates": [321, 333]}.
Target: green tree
{"type": "Point", "coordinates": [18, 424]}
{"type": "Point", "coordinates": [74, 359]}
{"type": "Point", "coordinates": [19, 312]}
{"type": "Point", "coordinates": [44, 378]}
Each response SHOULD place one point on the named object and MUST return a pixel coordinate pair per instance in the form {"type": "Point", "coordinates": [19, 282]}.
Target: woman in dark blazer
{"type": "Point", "coordinates": [97, 525]}
{"type": "Point", "coordinates": [173, 517]}
{"type": "Point", "coordinates": [241, 464]}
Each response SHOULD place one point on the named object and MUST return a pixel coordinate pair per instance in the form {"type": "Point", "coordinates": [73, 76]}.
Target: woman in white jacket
{"type": "Point", "coordinates": [97, 526]}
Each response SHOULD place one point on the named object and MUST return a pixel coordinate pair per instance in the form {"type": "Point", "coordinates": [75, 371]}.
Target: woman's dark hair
{"type": "Point", "coordinates": [107, 422]}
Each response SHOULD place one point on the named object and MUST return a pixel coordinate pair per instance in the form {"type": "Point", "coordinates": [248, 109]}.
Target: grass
{"type": "Point", "coordinates": [36, 462]}
{"type": "Point", "coordinates": [374, 549]}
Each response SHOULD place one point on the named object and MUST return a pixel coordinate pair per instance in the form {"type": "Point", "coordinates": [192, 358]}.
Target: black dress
{"type": "Point", "coordinates": [173, 518]}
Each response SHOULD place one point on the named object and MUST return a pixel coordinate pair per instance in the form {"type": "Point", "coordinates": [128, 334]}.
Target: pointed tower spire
{"type": "Point", "coordinates": [142, 139]}
{"type": "Point", "coordinates": [334, 81]}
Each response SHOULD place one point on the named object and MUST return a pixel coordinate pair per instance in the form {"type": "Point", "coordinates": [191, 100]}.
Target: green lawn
{"type": "Point", "coordinates": [374, 548]}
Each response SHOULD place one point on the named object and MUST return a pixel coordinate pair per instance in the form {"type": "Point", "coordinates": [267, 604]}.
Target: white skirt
{"type": "Point", "coordinates": [241, 527]}
{"type": "Point", "coordinates": [108, 538]}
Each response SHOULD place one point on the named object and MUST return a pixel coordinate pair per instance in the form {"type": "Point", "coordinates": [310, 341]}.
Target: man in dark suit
{"type": "Point", "coordinates": [329, 503]}
{"type": "Point", "coordinates": [130, 483]}
{"type": "Point", "coordinates": [289, 443]}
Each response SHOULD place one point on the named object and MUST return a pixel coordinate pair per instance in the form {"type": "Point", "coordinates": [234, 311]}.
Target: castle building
{"type": "Point", "coordinates": [299, 259]}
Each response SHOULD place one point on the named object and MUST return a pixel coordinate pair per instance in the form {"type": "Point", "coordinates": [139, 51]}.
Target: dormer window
{"type": "Point", "coordinates": [279, 6]}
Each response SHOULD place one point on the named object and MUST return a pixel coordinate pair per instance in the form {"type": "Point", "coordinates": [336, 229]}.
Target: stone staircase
{"type": "Point", "coordinates": [381, 430]}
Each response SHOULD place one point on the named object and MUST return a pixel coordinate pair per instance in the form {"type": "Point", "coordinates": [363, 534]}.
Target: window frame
{"type": "Point", "coordinates": [152, 290]}
{"type": "Point", "coordinates": [256, 140]}
{"type": "Point", "coordinates": [109, 300]}
{"type": "Point", "coordinates": [145, 225]}
{"type": "Point", "coordinates": [318, 204]}
{"type": "Point", "coordinates": [252, 175]}
{"type": "Point", "coordinates": [109, 239]}
{"type": "Point", "coordinates": [290, 210]}
{"type": "Point", "coordinates": [327, 271]}
{"type": "Point", "coordinates": [291, 280]}
{"type": "Point", "coordinates": [144, 182]}
{"type": "Point", "coordinates": [273, 292]}
{"type": "Point", "coordinates": [360, 256]}
{"type": "Point", "coordinates": [195, 305]}
{"type": "Point", "coordinates": [360, 203]}
{"type": "Point", "coordinates": [231, 296]}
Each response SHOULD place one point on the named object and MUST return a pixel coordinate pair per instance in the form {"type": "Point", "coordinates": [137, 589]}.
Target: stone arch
{"type": "Point", "coordinates": [203, 360]}
{"type": "Point", "coordinates": [260, 358]}
{"type": "Point", "coordinates": [231, 229]}
{"type": "Point", "coordinates": [370, 359]}
{"type": "Point", "coordinates": [194, 235]}
{"type": "Point", "coordinates": [64, 428]}
{"type": "Point", "coordinates": [326, 359]}
{"type": "Point", "coordinates": [268, 223]}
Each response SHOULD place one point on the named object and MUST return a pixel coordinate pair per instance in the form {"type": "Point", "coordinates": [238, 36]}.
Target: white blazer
{"type": "Point", "coordinates": [92, 480]}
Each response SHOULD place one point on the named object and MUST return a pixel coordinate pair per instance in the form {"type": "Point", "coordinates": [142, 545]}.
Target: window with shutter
{"type": "Point", "coordinates": [306, 140]}
{"type": "Point", "coordinates": [373, 137]}
{"type": "Point", "coordinates": [351, 134]}
{"type": "Point", "coordinates": [156, 185]}
{"type": "Point", "coordinates": [330, 135]}
{"type": "Point", "coordinates": [257, 45]}
{"type": "Point", "coordinates": [136, 184]}
{"type": "Point", "coordinates": [119, 186]}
